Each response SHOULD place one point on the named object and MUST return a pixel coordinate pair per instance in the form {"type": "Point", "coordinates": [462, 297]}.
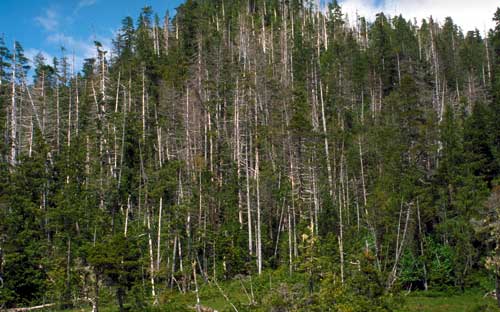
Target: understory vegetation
{"type": "Point", "coordinates": [254, 155]}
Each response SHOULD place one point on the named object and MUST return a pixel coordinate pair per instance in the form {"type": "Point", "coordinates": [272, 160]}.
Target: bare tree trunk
{"type": "Point", "coordinates": [399, 68]}
{"type": "Point", "coordinates": [188, 137]}
{"type": "Point", "coordinates": [327, 148]}
{"type": "Point", "coordinates": [30, 137]}
{"type": "Point", "coordinates": [159, 235]}
{"type": "Point", "coordinates": [363, 184]}
{"type": "Point", "coordinates": [117, 98]}
{"type": "Point", "coordinates": [102, 57]}
{"type": "Point", "coordinates": [487, 48]}
{"type": "Point", "coordinates": [68, 133]}
{"type": "Point", "coordinates": [238, 151]}
{"type": "Point", "coordinates": [143, 106]}
{"type": "Point", "coordinates": [13, 118]}
{"type": "Point", "coordinates": [174, 252]}
{"type": "Point", "coordinates": [259, 234]}
{"type": "Point", "coordinates": [198, 306]}
{"type": "Point", "coordinates": [151, 261]}
{"type": "Point", "coordinates": [58, 116]}
{"type": "Point", "coordinates": [37, 117]}
{"type": "Point", "coordinates": [39, 307]}
{"type": "Point", "coordinates": [181, 265]}
{"type": "Point", "coordinates": [280, 228]}
{"type": "Point", "coordinates": [361, 164]}
{"type": "Point", "coordinates": [44, 104]}
{"type": "Point", "coordinates": [341, 221]}
{"type": "Point", "coordinates": [399, 246]}
{"type": "Point", "coordinates": [77, 102]}
{"type": "Point", "coordinates": [435, 64]}
{"type": "Point", "coordinates": [160, 142]}
{"type": "Point", "coordinates": [249, 210]}
{"type": "Point", "coordinates": [126, 216]}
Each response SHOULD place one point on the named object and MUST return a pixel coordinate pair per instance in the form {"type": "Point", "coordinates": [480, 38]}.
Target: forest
{"type": "Point", "coordinates": [278, 154]}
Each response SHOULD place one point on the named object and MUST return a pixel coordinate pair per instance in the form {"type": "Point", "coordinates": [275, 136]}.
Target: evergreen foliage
{"type": "Point", "coordinates": [350, 161]}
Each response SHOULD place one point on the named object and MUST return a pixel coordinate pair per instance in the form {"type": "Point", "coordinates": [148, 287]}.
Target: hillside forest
{"type": "Point", "coordinates": [318, 161]}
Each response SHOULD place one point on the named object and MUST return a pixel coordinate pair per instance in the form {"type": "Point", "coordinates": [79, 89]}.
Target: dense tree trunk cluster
{"type": "Point", "coordinates": [244, 136]}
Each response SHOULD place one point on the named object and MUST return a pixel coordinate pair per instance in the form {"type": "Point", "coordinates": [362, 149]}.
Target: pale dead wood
{"type": "Point", "coordinates": [38, 307]}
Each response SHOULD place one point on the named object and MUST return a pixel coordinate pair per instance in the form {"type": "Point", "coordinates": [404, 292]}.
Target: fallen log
{"type": "Point", "coordinates": [43, 306]}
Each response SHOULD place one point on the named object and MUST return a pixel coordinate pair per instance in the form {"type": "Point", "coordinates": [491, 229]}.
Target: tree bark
{"type": "Point", "coordinates": [13, 118]}
{"type": "Point", "coordinates": [151, 261]}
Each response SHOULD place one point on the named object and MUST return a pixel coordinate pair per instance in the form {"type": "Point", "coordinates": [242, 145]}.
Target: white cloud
{"type": "Point", "coordinates": [49, 20]}
{"type": "Point", "coordinates": [31, 53]}
{"type": "Point", "coordinates": [81, 49]}
{"type": "Point", "coordinates": [465, 13]}
{"type": "Point", "coordinates": [77, 48]}
{"type": "Point", "coordinates": [85, 3]}
{"type": "Point", "coordinates": [366, 8]}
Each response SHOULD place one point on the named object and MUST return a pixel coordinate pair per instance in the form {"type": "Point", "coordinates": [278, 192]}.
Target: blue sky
{"type": "Point", "coordinates": [46, 25]}
{"type": "Point", "coordinates": [467, 14]}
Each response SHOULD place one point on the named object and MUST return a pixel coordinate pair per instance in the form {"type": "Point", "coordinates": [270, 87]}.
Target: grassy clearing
{"type": "Point", "coordinates": [417, 302]}
{"type": "Point", "coordinates": [472, 301]}
{"type": "Point", "coordinates": [239, 292]}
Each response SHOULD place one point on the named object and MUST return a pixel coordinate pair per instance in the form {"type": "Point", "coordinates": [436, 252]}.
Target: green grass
{"type": "Point", "coordinates": [440, 302]}
{"type": "Point", "coordinates": [421, 302]}
{"type": "Point", "coordinates": [472, 301]}
{"type": "Point", "coordinates": [415, 302]}
{"type": "Point", "coordinates": [236, 291]}
{"type": "Point", "coordinates": [211, 296]}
